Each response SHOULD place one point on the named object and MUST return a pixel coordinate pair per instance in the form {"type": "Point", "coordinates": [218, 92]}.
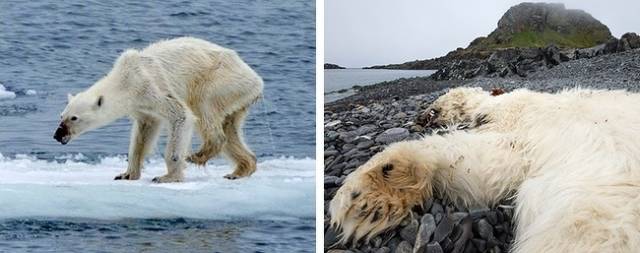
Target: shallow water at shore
{"type": "Point", "coordinates": [339, 82]}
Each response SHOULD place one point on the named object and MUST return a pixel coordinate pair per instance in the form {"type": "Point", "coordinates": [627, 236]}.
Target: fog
{"type": "Point", "coordinates": [360, 33]}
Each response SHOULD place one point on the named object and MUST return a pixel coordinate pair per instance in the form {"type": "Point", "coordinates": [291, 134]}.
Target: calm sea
{"type": "Point", "coordinates": [338, 82]}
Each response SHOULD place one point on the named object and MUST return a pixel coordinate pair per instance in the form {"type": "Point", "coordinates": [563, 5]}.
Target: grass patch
{"type": "Point", "coordinates": [574, 39]}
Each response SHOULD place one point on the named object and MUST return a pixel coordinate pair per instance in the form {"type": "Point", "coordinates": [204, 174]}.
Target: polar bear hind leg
{"type": "Point", "coordinates": [209, 126]}
{"type": "Point", "coordinates": [235, 148]}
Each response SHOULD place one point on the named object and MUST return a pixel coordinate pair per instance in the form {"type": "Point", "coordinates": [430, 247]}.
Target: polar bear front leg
{"type": "Point", "coordinates": [382, 192]}
{"type": "Point", "coordinates": [143, 138]}
{"type": "Point", "coordinates": [179, 139]}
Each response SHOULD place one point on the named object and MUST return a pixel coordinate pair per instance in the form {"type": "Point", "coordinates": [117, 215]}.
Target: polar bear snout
{"type": "Point", "coordinates": [428, 118]}
{"type": "Point", "coordinates": [62, 134]}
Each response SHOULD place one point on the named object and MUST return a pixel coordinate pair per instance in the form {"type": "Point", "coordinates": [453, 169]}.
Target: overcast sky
{"type": "Point", "coordinates": [360, 33]}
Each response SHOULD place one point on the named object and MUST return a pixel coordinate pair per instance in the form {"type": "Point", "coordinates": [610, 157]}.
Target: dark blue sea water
{"type": "Point", "coordinates": [61, 198]}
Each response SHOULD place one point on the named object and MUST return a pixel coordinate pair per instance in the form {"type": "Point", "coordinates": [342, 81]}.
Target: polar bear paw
{"type": "Point", "coordinates": [380, 194]}
{"type": "Point", "coordinates": [198, 158]}
{"type": "Point", "coordinates": [237, 175]}
{"type": "Point", "coordinates": [128, 176]}
{"type": "Point", "coordinates": [169, 178]}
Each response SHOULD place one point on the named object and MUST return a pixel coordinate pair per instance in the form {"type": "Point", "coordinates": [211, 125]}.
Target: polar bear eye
{"type": "Point", "coordinates": [74, 118]}
{"type": "Point", "coordinates": [386, 169]}
{"type": "Point", "coordinates": [100, 99]}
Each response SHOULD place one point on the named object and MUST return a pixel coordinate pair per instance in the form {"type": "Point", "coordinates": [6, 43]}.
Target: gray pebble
{"type": "Point", "coordinates": [444, 228]}
{"type": "Point", "coordinates": [426, 229]}
{"type": "Point", "coordinates": [434, 247]}
{"type": "Point", "coordinates": [392, 135]}
{"type": "Point", "coordinates": [410, 232]}
{"type": "Point", "coordinates": [403, 247]}
{"type": "Point", "coordinates": [330, 180]}
{"type": "Point", "coordinates": [484, 229]}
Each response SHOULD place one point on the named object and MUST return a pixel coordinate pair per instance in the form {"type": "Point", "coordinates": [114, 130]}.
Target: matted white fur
{"type": "Point", "coordinates": [571, 160]}
{"type": "Point", "coordinates": [178, 83]}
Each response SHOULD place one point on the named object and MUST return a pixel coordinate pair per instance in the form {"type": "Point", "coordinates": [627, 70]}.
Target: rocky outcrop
{"type": "Point", "coordinates": [503, 62]}
{"type": "Point", "coordinates": [626, 42]}
{"type": "Point", "coordinates": [528, 26]}
{"type": "Point", "coordinates": [541, 24]}
{"type": "Point", "coordinates": [332, 66]}
{"type": "Point", "coordinates": [524, 61]}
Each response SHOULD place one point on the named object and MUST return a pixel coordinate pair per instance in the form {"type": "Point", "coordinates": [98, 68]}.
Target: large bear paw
{"type": "Point", "coordinates": [380, 194]}
{"type": "Point", "coordinates": [128, 176]}
{"type": "Point", "coordinates": [198, 158]}
{"type": "Point", "coordinates": [235, 175]}
{"type": "Point", "coordinates": [169, 178]}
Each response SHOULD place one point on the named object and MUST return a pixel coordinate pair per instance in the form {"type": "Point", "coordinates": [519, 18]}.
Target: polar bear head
{"type": "Point", "coordinates": [84, 112]}
{"type": "Point", "coordinates": [455, 107]}
{"type": "Point", "coordinates": [105, 101]}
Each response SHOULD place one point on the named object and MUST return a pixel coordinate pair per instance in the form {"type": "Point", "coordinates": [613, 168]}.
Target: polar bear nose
{"type": "Point", "coordinates": [62, 133]}
{"type": "Point", "coordinates": [427, 118]}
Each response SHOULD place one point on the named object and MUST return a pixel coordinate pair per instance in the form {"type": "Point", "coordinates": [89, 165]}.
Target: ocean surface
{"type": "Point", "coordinates": [338, 83]}
{"type": "Point", "coordinates": [56, 198]}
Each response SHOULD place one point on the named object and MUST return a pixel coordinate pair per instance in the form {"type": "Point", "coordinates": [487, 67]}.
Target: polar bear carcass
{"type": "Point", "coordinates": [570, 160]}
{"type": "Point", "coordinates": [179, 83]}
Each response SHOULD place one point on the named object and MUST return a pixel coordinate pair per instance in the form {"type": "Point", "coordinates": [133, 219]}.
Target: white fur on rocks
{"type": "Point", "coordinates": [571, 160]}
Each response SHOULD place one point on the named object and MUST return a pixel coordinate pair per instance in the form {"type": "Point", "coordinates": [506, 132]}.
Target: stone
{"type": "Point", "coordinates": [404, 247]}
{"type": "Point", "coordinates": [444, 228]}
{"type": "Point", "coordinates": [400, 115]}
{"type": "Point", "coordinates": [632, 40]}
{"type": "Point", "coordinates": [331, 152]}
{"type": "Point", "coordinates": [365, 129]}
{"type": "Point", "coordinates": [382, 250]}
{"type": "Point", "coordinates": [365, 144]}
{"type": "Point", "coordinates": [392, 135]}
{"type": "Point", "coordinates": [426, 229]}
{"type": "Point", "coordinates": [376, 242]}
{"type": "Point", "coordinates": [339, 251]}
{"type": "Point", "coordinates": [478, 213]}
{"type": "Point", "coordinates": [434, 247]}
{"type": "Point", "coordinates": [466, 228]}
{"type": "Point", "coordinates": [484, 229]}
{"type": "Point", "coordinates": [409, 232]}
{"type": "Point", "coordinates": [480, 244]}
{"type": "Point", "coordinates": [330, 237]}
{"type": "Point", "coordinates": [457, 216]}
{"type": "Point", "coordinates": [436, 208]}
{"type": "Point", "coordinates": [330, 181]}
{"type": "Point", "coordinates": [333, 123]}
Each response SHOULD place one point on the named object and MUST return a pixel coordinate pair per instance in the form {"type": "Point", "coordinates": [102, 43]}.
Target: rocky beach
{"type": "Point", "coordinates": [359, 126]}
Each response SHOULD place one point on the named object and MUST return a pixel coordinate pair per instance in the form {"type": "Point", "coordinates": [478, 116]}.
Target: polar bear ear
{"type": "Point", "coordinates": [128, 59]}
{"type": "Point", "coordinates": [69, 97]}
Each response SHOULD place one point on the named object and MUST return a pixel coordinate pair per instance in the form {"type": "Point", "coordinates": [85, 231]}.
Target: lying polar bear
{"type": "Point", "coordinates": [175, 82]}
{"type": "Point", "coordinates": [571, 160]}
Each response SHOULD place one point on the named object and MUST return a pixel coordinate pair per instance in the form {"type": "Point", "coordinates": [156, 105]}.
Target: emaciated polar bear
{"type": "Point", "coordinates": [175, 82]}
{"type": "Point", "coordinates": [570, 160]}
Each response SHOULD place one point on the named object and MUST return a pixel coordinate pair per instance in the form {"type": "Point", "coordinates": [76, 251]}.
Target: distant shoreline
{"type": "Point", "coordinates": [604, 72]}
{"type": "Point", "coordinates": [341, 83]}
